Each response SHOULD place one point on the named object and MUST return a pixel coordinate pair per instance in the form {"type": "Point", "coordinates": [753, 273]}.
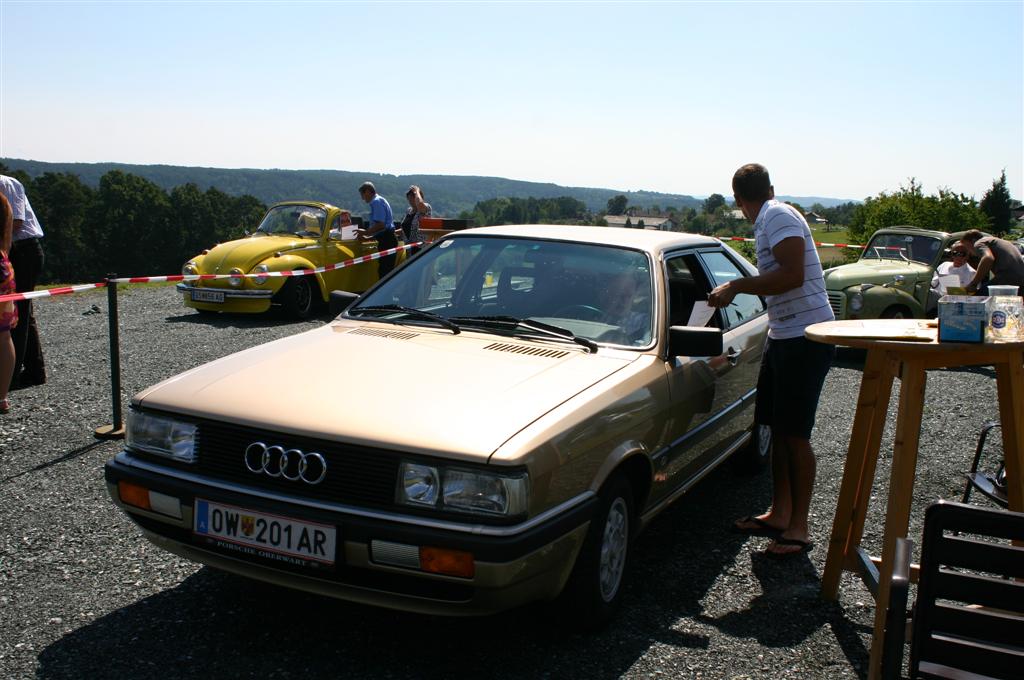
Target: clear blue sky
{"type": "Point", "coordinates": [838, 99]}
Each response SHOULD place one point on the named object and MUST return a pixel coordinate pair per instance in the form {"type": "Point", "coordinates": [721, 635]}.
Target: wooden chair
{"type": "Point", "coordinates": [969, 615]}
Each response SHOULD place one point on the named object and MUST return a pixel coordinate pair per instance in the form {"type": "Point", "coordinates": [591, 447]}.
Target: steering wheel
{"type": "Point", "coordinates": [582, 312]}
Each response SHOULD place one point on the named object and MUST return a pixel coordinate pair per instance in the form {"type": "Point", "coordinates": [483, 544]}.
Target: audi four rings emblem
{"type": "Point", "coordinates": [292, 464]}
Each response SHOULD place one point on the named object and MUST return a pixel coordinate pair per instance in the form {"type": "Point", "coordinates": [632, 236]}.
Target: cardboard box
{"type": "Point", "coordinates": [963, 318]}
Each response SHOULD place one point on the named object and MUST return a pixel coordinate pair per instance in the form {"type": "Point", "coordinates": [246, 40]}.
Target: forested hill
{"type": "Point", "coordinates": [448, 194]}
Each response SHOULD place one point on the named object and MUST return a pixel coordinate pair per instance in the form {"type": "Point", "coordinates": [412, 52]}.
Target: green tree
{"type": "Point", "coordinates": [946, 211]}
{"type": "Point", "coordinates": [996, 206]}
{"type": "Point", "coordinates": [135, 234]}
{"type": "Point", "coordinates": [62, 202]}
{"type": "Point", "coordinates": [713, 203]}
{"type": "Point", "coordinates": [617, 205]}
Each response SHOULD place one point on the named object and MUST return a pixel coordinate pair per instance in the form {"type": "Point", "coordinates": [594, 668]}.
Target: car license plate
{"type": "Point", "coordinates": [263, 534]}
{"type": "Point", "coordinates": [200, 295]}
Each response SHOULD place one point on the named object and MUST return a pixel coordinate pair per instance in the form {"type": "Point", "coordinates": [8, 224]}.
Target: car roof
{"type": "Point", "coordinates": [903, 228]}
{"type": "Point", "coordinates": [644, 239]}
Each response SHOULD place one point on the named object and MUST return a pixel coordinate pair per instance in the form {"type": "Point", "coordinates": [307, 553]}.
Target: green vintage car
{"type": "Point", "coordinates": [892, 278]}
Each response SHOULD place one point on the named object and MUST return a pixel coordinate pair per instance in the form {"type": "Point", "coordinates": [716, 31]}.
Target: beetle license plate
{"type": "Point", "coordinates": [200, 295]}
{"type": "Point", "coordinates": [264, 535]}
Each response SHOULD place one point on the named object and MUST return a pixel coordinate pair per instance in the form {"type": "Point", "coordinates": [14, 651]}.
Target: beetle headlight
{"type": "Point", "coordinates": [162, 436]}
{"type": "Point", "coordinates": [190, 268]}
{"type": "Point", "coordinates": [236, 277]}
{"type": "Point", "coordinates": [463, 490]}
{"type": "Point", "coordinates": [260, 269]}
{"type": "Point", "coordinates": [856, 301]}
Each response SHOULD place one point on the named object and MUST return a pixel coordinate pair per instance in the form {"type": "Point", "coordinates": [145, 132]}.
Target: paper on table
{"type": "Point", "coordinates": [947, 281]}
{"type": "Point", "coordinates": [920, 331]}
{"type": "Point", "coordinates": [701, 314]}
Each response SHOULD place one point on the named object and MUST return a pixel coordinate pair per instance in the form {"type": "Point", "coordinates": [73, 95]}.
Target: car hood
{"type": "Point", "coordinates": [404, 388]}
{"type": "Point", "coordinates": [873, 271]}
{"type": "Point", "coordinates": [245, 253]}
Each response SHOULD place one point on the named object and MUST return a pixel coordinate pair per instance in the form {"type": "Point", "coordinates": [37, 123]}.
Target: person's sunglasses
{"type": "Point", "coordinates": [959, 253]}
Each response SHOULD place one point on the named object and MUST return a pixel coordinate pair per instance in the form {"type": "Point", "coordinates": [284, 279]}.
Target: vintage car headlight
{"type": "Point", "coordinates": [463, 490]}
{"type": "Point", "coordinates": [189, 268]}
{"type": "Point", "coordinates": [856, 301]}
{"type": "Point", "coordinates": [236, 277]}
{"type": "Point", "coordinates": [260, 269]}
{"type": "Point", "coordinates": [162, 436]}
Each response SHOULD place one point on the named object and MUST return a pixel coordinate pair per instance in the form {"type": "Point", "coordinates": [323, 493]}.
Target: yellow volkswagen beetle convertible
{"type": "Point", "coordinates": [293, 235]}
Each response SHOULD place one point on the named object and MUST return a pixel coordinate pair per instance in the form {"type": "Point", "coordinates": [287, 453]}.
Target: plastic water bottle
{"type": "Point", "coordinates": [1005, 317]}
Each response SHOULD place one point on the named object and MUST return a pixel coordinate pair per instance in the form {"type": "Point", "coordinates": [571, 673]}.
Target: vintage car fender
{"type": "Point", "coordinates": [290, 262]}
{"type": "Point", "coordinates": [880, 299]}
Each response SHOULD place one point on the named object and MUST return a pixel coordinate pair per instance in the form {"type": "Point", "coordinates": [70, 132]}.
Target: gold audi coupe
{"type": "Point", "coordinates": [489, 425]}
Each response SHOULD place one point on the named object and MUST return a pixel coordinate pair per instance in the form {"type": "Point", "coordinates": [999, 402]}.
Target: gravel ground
{"type": "Point", "coordinates": [82, 594]}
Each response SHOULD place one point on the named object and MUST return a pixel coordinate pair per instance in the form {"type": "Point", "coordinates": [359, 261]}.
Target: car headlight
{"type": "Point", "coordinates": [463, 490]}
{"type": "Point", "coordinates": [162, 436]}
{"type": "Point", "coordinates": [260, 269]}
{"type": "Point", "coordinates": [236, 277]}
{"type": "Point", "coordinates": [856, 301]}
{"type": "Point", "coordinates": [190, 268]}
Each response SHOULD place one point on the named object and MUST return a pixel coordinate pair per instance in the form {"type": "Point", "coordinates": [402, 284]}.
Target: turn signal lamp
{"type": "Point", "coordinates": [447, 562]}
{"type": "Point", "coordinates": [133, 494]}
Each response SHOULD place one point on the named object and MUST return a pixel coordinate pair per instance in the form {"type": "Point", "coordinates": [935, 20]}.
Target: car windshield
{"type": "Point", "coordinates": [591, 292]}
{"type": "Point", "coordinates": [903, 247]}
{"type": "Point", "coordinates": [301, 220]}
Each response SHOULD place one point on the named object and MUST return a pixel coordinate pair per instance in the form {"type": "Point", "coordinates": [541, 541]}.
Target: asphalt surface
{"type": "Point", "coordinates": [83, 595]}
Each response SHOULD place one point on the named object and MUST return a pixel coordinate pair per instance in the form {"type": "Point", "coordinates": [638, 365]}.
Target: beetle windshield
{"type": "Point", "coordinates": [594, 292]}
{"type": "Point", "coordinates": [903, 247]}
{"type": "Point", "coordinates": [301, 220]}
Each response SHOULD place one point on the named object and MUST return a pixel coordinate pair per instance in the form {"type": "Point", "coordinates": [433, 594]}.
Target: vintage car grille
{"type": "Point", "coordinates": [355, 475]}
{"type": "Point", "coordinates": [837, 300]}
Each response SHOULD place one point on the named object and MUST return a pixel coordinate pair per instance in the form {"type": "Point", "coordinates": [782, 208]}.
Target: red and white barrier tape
{"type": "Point", "coordinates": [51, 291]}
{"type": "Point", "coordinates": [196, 277]}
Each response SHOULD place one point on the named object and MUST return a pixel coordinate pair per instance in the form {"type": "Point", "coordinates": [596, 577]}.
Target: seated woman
{"type": "Point", "coordinates": [627, 304]}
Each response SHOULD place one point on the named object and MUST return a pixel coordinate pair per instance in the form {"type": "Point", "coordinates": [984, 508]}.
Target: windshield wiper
{"type": "Point", "coordinates": [513, 323]}
{"type": "Point", "coordinates": [411, 311]}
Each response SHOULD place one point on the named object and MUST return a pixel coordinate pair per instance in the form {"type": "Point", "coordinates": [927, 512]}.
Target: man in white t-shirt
{"type": "Point", "coordinates": [793, 368]}
{"type": "Point", "coordinates": [958, 267]}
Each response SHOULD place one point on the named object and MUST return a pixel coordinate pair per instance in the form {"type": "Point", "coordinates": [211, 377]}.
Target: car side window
{"type": "Point", "coordinates": [688, 289]}
{"type": "Point", "coordinates": [722, 269]}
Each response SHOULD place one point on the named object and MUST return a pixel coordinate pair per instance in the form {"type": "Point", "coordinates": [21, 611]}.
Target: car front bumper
{"type": "Point", "coordinates": [233, 300]}
{"type": "Point", "coordinates": [513, 565]}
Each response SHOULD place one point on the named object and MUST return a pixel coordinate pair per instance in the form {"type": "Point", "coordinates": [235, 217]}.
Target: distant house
{"type": "Point", "coordinates": [814, 218]}
{"type": "Point", "coordinates": [655, 222]}
{"type": "Point", "coordinates": [736, 214]}
{"type": "Point", "coordinates": [1017, 210]}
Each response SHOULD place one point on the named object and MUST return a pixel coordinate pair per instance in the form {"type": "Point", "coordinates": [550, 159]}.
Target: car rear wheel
{"type": "Point", "coordinates": [297, 297]}
{"type": "Point", "coordinates": [896, 312]}
{"type": "Point", "coordinates": [756, 454]}
{"type": "Point", "coordinates": [594, 590]}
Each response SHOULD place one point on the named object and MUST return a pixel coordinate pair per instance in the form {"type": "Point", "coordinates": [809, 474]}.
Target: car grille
{"type": "Point", "coordinates": [837, 301]}
{"type": "Point", "coordinates": [355, 475]}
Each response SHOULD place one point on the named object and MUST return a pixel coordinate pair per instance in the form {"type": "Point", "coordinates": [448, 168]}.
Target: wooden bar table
{"type": "Point", "coordinates": [905, 349]}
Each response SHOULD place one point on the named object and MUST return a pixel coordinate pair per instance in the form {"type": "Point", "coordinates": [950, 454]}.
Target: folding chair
{"type": "Point", "coordinates": [992, 485]}
{"type": "Point", "coordinates": [969, 615]}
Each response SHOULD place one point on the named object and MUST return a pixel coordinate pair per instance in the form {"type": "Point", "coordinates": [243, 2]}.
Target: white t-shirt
{"type": "Point", "coordinates": [793, 311]}
{"type": "Point", "coordinates": [965, 273]}
{"type": "Point", "coordinates": [21, 208]}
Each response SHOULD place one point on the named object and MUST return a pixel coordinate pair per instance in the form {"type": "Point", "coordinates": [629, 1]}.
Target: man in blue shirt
{"type": "Point", "coordinates": [382, 227]}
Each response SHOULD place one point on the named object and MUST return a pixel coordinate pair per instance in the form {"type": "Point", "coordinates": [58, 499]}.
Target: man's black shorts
{"type": "Point", "coordinates": [792, 373]}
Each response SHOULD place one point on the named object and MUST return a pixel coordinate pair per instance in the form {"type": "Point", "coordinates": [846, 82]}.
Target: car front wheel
{"type": "Point", "coordinates": [594, 591]}
{"type": "Point", "coordinates": [297, 297]}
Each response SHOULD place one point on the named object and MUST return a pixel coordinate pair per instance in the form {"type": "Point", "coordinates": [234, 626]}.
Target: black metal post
{"type": "Point", "coordinates": [116, 429]}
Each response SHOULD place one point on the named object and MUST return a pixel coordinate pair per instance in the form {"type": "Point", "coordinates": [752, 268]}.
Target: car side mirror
{"type": "Point", "coordinates": [691, 341]}
{"type": "Point", "coordinates": [341, 300]}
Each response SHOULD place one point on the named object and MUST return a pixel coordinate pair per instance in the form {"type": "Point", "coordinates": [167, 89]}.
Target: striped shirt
{"type": "Point", "coordinates": [793, 311]}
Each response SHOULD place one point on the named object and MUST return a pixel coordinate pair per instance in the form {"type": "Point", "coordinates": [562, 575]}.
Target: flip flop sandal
{"type": "Point", "coordinates": [804, 547]}
{"type": "Point", "coordinates": [5, 406]}
{"type": "Point", "coordinates": [762, 528]}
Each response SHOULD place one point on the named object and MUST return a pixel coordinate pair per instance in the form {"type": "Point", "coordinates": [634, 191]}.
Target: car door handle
{"type": "Point", "coordinates": [733, 356]}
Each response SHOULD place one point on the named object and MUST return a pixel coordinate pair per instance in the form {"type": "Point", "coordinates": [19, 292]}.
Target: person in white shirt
{"type": "Point", "coordinates": [958, 267]}
{"type": "Point", "coordinates": [793, 368]}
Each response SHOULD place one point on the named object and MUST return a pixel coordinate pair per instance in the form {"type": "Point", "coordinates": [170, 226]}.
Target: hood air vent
{"type": "Point", "coordinates": [381, 333]}
{"type": "Point", "coordinates": [523, 349]}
